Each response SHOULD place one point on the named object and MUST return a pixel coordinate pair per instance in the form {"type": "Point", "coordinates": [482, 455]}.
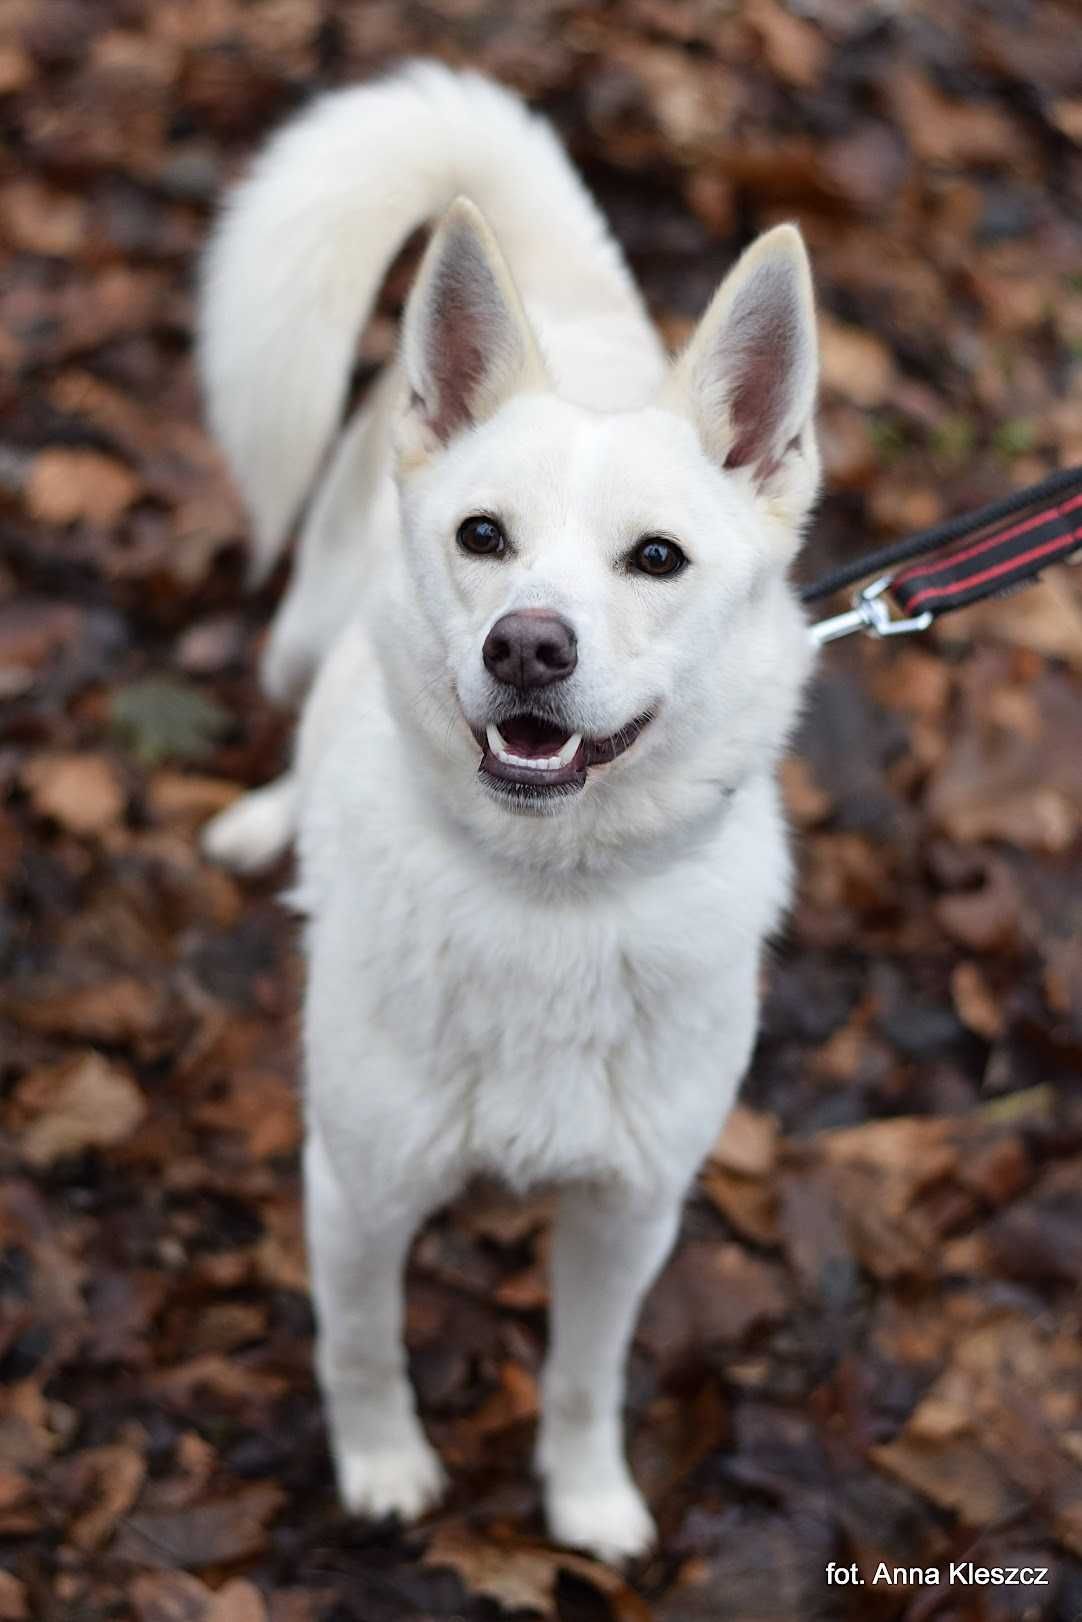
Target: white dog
{"type": "Point", "coordinates": [541, 602]}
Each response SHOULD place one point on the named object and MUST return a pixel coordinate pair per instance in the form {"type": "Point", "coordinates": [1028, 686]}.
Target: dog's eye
{"type": "Point", "coordinates": [657, 556]}
{"type": "Point", "coordinates": [482, 536]}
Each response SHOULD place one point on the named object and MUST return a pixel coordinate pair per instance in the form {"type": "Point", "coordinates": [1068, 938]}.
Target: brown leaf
{"type": "Point", "coordinates": [169, 1596]}
{"type": "Point", "coordinates": [82, 792]}
{"type": "Point", "coordinates": [748, 1143]}
{"type": "Point", "coordinates": [117, 1472]}
{"type": "Point", "coordinates": [855, 364]}
{"type": "Point", "coordinates": [65, 485]}
{"type": "Point", "coordinates": [708, 1293]}
{"type": "Point", "coordinates": [32, 630]}
{"type": "Point", "coordinates": [40, 219]}
{"type": "Point", "coordinates": [976, 1003]}
{"type": "Point", "coordinates": [189, 799]}
{"type": "Point", "coordinates": [207, 1534]}
{"type": "Point", "coordinates": [954, 1473]}
{"type": "Point", "coordinates": [84, 1102]}
{"type": "Point", "coordinates": [123, 1009]}
{"type": "Point", "coordinates": [16, 69]}
{"type": "Point", "coordinates": [795, 49]}
{"type": "Point", "coordinates": [806, 802]}
{"type": "Point", "coordinates": [223, 1376]}
{"type": "Point", "coordinates": [906, 1153]}
{"type": "Point", "coordinates": [675, 1437]}
{"type": "Point", "coordinates": [947, 131]}
{"type": "Point", "coordinates": [520, 1575]}
{"type": "Point", "coordinates": [13, 1606]}
{"type": "Point", "coordinates": [749, 1203]}
{"type": "Point", "coordinates": [260, 1106]}
{"type": "Point", "coordinates": [237, 1601]}
{"type": "Point", "coordinates": [513, 1401]}
{"type": "Point", "coordinates": [813, 1231]}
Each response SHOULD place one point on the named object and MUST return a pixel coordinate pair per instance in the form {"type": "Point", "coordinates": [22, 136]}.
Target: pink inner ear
{"type": "Point", "coordinates": [456, 361]}
{"type": "Point", "coordinates": [759, 359]}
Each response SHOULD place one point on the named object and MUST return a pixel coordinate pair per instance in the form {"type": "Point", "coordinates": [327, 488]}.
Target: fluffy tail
{"type": "Point", "coordinates": [304, 243]}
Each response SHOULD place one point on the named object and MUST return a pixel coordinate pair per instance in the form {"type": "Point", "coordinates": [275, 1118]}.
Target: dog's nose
{"type": "Point", "coordinates": [530, 648]}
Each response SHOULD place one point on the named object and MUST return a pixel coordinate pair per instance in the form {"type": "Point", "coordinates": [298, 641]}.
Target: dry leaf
{"type": "Point", "coordinates": [520, 1575]}
{"type": "Point", "coordinates": [117, 1472]}
{"type": "Point", "coordinates": [748, 1143]}
{"type": "Point", "coordinates": [84, 793]}
{"type": "Point", "coordinates": [120, 1010]}
{"type": "Point", "coordinates": [237, 1601]}
{"type": "Point", "coordinates": [13, 1604]}
{"type": "Point", "coordinates": [169, 1596]}
{"type": "Point", "coordinates": [977, 1005]}
{"type": "Point", "coordinates": [855, 364]}
{"type": "Point", "coordinates": [40, 219]}
{"type": "Point", "coordinates": [186, 798]}
{"type": "Point", "coordinates": [206, 1534]}
{"type": "Point", "coordinates": [82, 1103]}
{"type": "Point", "coordinates": [65, 485]}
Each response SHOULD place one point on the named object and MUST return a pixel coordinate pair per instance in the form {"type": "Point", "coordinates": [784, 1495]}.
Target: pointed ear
{"type": "Point", "coordinates": [466, 342]}
{"type": "Point", "coordinates": [748, 377]}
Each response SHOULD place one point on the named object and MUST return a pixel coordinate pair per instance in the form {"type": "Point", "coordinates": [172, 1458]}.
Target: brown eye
{"type": "Point", "coordinates": [482, 536]}
{"type": "Point", "coordinates": [658, 557]}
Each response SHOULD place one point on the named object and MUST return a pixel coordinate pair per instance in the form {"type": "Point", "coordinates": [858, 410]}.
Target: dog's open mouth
{"type": "Point", "coordinates": [526, 752]}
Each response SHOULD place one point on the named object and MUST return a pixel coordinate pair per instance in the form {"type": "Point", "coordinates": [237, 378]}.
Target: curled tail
{"type": "Point", "coordinates": [304, 242]}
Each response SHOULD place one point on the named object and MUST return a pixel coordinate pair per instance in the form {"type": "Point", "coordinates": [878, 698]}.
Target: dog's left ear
{"type": "Point", "coordinates": [466, 342]}
{"type": "Point", "coordinates": [748, 377]}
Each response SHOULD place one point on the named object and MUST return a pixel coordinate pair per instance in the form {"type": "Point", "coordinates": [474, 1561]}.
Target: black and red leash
{"type": "Point", "coordinates": [976, 555]}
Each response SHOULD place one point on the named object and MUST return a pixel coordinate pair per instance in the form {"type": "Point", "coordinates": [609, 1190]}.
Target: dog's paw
{"type": "Point", "coordinates": [254, 832]}
{"type": "Point", "coordinates": [611, 1522]}
{"type": "Point", "coordinates": [402, 1481]}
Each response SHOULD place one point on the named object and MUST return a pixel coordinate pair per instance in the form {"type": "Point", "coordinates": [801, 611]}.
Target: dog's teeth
{"type": "Point", "coordinates": [546, 763]}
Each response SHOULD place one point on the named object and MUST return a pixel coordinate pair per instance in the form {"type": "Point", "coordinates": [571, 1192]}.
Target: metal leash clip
{"type": "Point", "coordinates": [870, 613]}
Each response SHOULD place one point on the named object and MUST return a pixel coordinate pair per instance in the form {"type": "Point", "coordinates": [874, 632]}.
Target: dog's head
{"type": "Point", "coordinates": [603, 626]}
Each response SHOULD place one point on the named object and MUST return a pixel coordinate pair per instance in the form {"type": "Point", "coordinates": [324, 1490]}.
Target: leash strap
{"type": "Point", "coordinates": [984, 554]}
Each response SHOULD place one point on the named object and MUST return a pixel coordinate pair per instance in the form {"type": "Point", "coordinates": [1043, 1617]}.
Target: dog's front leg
{"type": "Point", "coordinates": [609, 1243]}
{"type": "Point", "coordinates": [357, 1244]}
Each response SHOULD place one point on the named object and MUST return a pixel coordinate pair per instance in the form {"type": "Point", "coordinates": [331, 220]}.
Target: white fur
{"type": "Point", "coordinates": [569, 996]}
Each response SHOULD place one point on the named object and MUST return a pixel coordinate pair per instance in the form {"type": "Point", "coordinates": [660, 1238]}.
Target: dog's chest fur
{"type": "Point", "coordinates": [594, 1030]}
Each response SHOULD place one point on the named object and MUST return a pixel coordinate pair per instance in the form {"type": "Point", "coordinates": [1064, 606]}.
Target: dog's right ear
{"type": "Point", "coordinates": [466, 343]}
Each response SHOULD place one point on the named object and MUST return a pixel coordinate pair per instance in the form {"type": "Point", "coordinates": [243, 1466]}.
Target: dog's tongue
{"type": "Point", "coordinates": [529, 737]}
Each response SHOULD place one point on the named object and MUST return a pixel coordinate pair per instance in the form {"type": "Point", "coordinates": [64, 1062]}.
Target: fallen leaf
{"type": "Point", "coordinates": [188, 799]}
{"type": "Point", "coordinates": [169, 1596]}
{"type": "Point", "coordinates": [977, 1005]}
{"type": "Point", "coordinates": [82, 1103]}
{"type": "Point", "coordinates": [82, 792]}
{"type": "Point", "coordinates": [237, 1601]}
{"type": "Point", "coordinates": [521, 1576]}
{"type": "Point", "coordinates": [116, 1472]}
{"type": "Point", "coordinates": [709, 1293]}
{"type": "Point", "coordinates": [262, 1107]}
{"type": "Point", "coordinates": [65, 485]}
{"type": "Point", "coordinates": [955, 1473]}
{"type": "Point", "coordinates": [795, 49]}
{"type": "Point", "coordinates": [41, 219]}
{"type": "Point", "coordinates": [13, 1605]}
{"type": "Point", "coordinates": [206, 1534]}
{"type": "Point", "coordinates": [855, 364]}
{"type": "Point", "coordinates": [121, 1010]}
{"type": "Point", "coordinates": [514, 1400]}
{"type": "Point", "coordinates": [748, 1143]}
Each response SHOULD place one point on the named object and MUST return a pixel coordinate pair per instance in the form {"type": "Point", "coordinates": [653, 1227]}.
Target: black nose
{"type": "Point", "coordinates": [530, 649]}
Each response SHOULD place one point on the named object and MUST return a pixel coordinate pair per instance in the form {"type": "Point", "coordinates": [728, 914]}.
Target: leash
{"type": "Point", "coordinates": [987, 553]}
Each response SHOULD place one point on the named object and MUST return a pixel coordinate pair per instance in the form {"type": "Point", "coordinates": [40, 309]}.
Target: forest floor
{"type": "Point", "coordinates": [866, 1347]}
